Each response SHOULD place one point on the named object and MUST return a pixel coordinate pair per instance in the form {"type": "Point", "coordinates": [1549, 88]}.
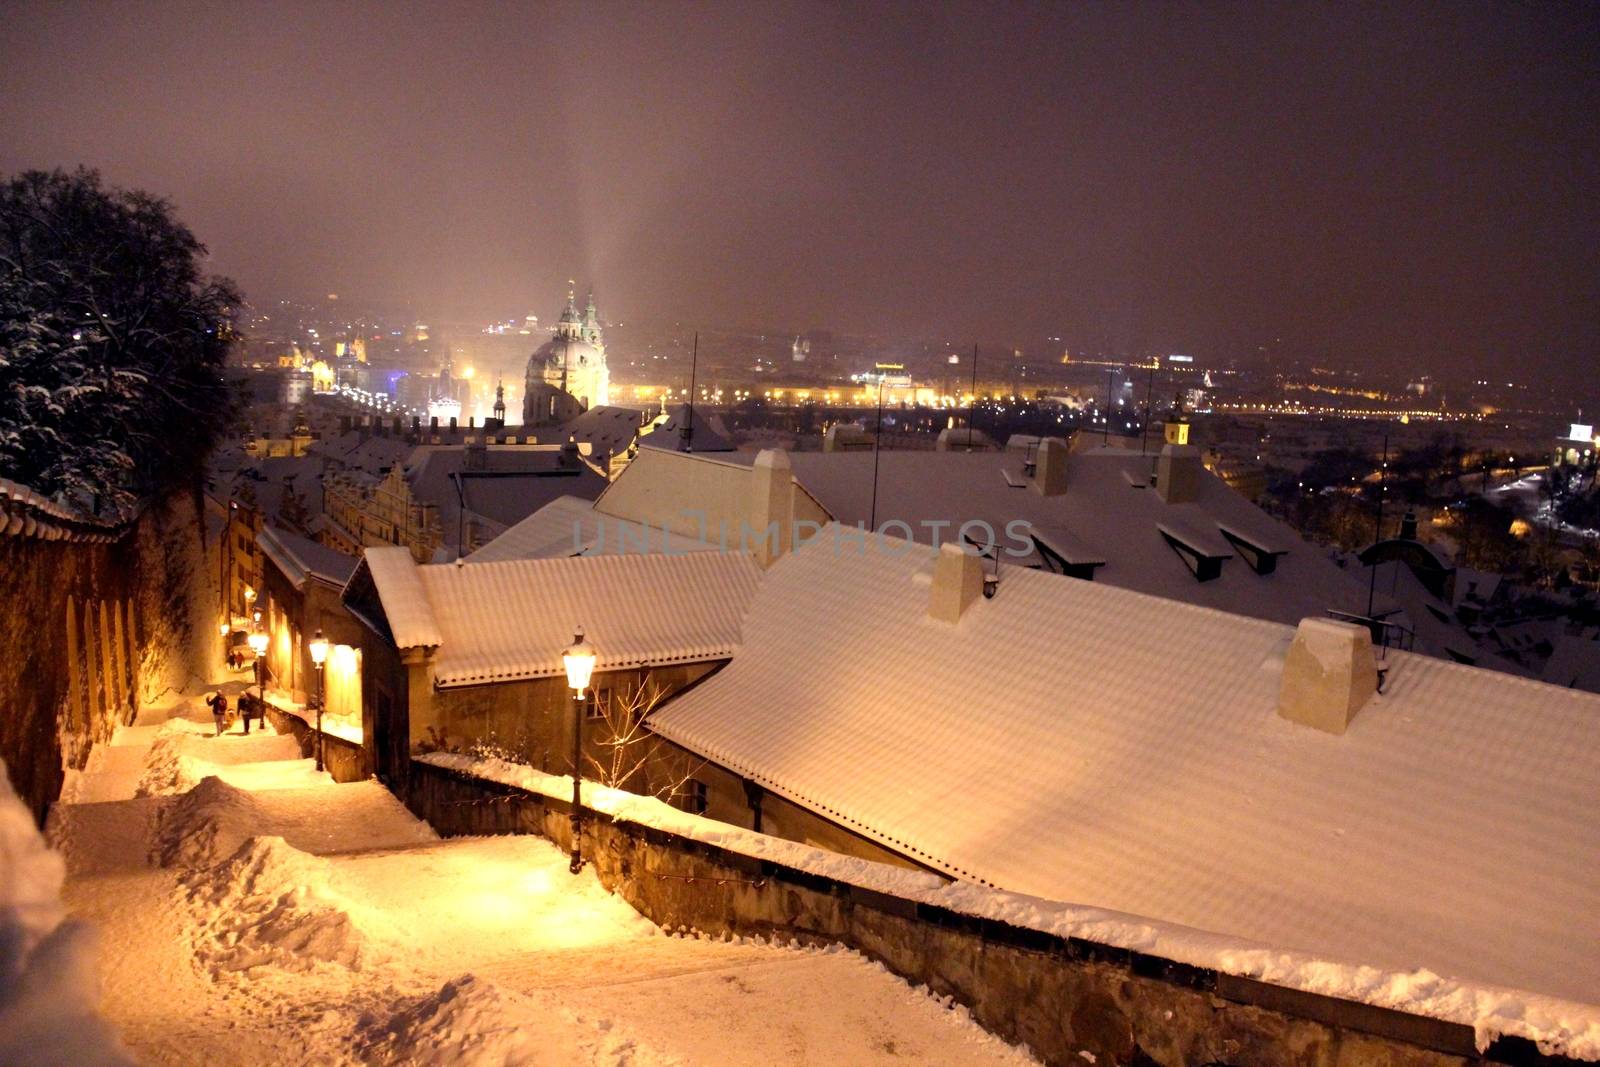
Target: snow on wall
{"type": "Point", "coordinates": [1557, 1026]}
{"type": "Point", "coordinates": [49, 987]}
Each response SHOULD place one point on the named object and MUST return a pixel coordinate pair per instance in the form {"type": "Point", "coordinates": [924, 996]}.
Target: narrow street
{"type": "Point", "coordinates": [251, 911]}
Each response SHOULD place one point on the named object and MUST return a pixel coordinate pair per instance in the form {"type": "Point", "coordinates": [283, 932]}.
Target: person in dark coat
{"type": "Point", "coordinates": [219, 710]}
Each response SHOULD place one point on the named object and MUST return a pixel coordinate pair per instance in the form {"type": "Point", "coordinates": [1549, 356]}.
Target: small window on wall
{"type": "Point", "coordinates": [694, 797]}
{"type": "Point", "coordinates": [598, 705]}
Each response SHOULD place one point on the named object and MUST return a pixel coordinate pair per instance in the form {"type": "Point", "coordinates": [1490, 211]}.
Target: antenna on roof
{"type": "Point", "coordinates": [1105, 436]}
{"type": "Point", "coordinates": [1377, 535]}
{"type": "Point", "coordinates": [877, 441]}
{"type": "Point", "coordinates": [1150, 384]}
{"type": "Point", "coordinates": [972, 407]}
{"type": "Point", "coordinates": [687, 430]}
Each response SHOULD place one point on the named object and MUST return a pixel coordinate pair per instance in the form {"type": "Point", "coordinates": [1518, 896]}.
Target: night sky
{"type": "Point", "coordinates": [1412, 184]}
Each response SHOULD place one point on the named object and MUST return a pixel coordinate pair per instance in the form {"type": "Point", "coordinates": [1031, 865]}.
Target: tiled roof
{"type": "Point", "coordinates": [514, 482]}
{"type": "Point", "coordinates": [299, 557]}
{"type": "Point", "coordinates": [1100, 517]}
{"type": "Point", "coordinates": [1084, 743]}
{"type": "Point", "coordinates": [404, 600]}
{"type": "Point", "coordinates": [570, 526]}
{"type": "Point", "coordinates": [509, 620]}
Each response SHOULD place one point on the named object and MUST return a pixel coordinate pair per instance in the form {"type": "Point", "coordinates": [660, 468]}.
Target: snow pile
{"type": "Point", "coordinates": [272, 905]}
{"type": "Point", "coordinates": [206, 824]}
{"type": "Point", "coordinates": [49, 990]}
{"type": "Point", "coordinates": [168, 769]}
{"type": "Point", "coordinates": [469, 1022]}
{"type": "Point", "coordinates": [475, 1023]}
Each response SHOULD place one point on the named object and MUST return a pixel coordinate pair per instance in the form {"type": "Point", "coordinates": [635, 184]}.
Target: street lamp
{"type": "Point", "coordinates": [579, 660]}
{"type": "Point", "coordinates": [258, 645]}
{"type": "Point", "coordinates": [319, 655]}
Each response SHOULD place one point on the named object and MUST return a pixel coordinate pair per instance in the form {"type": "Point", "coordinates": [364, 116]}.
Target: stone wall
{"type": "Point", "coordinates": [1062, 997]}
{"type": "Point", "coordinates": [345, 761]}
{"type": "Point", "coordinates": [91, 630]}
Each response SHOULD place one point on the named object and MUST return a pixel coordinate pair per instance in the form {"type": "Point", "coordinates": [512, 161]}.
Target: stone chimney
{"type": "Point", "coordinates": [1178, 473]}
{"type": "Point", "coordinates": [397, 429]}
{"type": "Point", "coordinates": [1408, 526]}
{"type": "Point", "coordinates": [344, 423]}
{"type": "Point", "coordinates": [957, 581]}
{"type": "Point", "coordinates": [771, 515]}
{"type": "Point", "coordinates": [452, 425]}
{"type": "Point", "coordinates": [477, 456]}
{"type": "Point", "coordinates": [1328, 675]}
{"type": "Point", "coordinates": [1050, 467]}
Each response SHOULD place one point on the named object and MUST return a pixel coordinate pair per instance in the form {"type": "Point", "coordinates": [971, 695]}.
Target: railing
{"type": "Point", "coordinates": [1386, 635]}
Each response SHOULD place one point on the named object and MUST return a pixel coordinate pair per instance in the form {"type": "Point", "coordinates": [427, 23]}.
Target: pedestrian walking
{"type": "Point", "coordinates": [219, 710]}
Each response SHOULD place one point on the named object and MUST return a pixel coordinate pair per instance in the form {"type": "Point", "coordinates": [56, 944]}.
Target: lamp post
{"type": "Point", "coordinates": [319, 655]}
{"type": "Point", "coordinates": [258, 645]}
{"type": "Point", "coordinates": [579, 660]}
{"type": "Point", "coordinates": [224, 629]}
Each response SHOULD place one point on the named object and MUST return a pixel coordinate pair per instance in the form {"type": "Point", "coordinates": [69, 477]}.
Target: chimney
{"type": "Point", "coordinates": [344, 423]}
{"type": "Point", "coordinates": [452, 424]}
{"type": "Point", "coordinates": [568, 459]}
{"type": "Point", "coordinates": [477, 456]}
{"type": "Point", "coordinates": [433, 423]}
{"type": "Point", "coordinates": [957, 581]}
{"type": "Point", "coordinates": [397, 429]}
{"type": "Point", "coordinates": [1178, 473]}
{"type": "Point", "coordinates": [1408, 526]}
{"type": "Point", "coordinates": [1050, 467]}
{"type": "Point", "coordinates": [1329, 673]}
{"type": "Point", "coordinates": [771, 504]}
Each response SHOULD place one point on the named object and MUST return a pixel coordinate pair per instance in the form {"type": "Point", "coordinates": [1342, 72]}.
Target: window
{"type": "Point", "coordinates": [596, 708]}
{"type": "Point", "coordinates": [694, 797]}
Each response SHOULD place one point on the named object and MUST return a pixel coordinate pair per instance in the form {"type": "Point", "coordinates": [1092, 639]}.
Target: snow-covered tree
{"type": "Point", "coordinates": [112, 341]}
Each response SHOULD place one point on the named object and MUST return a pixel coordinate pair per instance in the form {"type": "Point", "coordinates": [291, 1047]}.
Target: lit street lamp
{"type": "Point", "coordinates": [579, 660]}
{"type": "Point", "coordinates": [319, 655]}
{"type": "Point", "coordinates": [258, 645]}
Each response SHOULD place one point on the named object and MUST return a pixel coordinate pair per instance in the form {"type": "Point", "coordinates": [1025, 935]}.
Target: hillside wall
{"type": "Point", "coordinates": [96, 621]}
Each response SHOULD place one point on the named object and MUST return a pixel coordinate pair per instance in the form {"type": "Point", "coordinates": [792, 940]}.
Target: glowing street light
{"type": "Point", "coordinates": [579, 661]}
{"type": "Point", "coordinates": [319, 656]}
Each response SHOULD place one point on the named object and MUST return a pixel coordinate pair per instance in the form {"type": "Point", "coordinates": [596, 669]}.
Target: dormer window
{"type": "Point", "coordinates": [1203, 553]}
{"type": "Point", "coordinates": [1261, 553]}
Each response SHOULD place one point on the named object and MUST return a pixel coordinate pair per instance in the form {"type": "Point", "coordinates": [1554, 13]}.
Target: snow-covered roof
{"type": "Point", "coordinates": [1575, 661]}
{"type": "Point", "coordinates": [1101, 516]}
{"type": "Point", "coordinates": [405, 601]}
{"type": "Point", "coordinates": [300, 557]}
{"type": "Point", "coordinates": [561, 528]}
{"type": "Point", "coordinates": [1084, 743]}
{"type": "Point", "coordinates": [509, 620]}
{"type": "Point", "coordinates": [513, 482]}
{"type": "Point", "coordinates": [609, 429]}
{"type": "Point", "coordinates": [710, 434]}
{"type": "Point", "coordinates": [572, 526]}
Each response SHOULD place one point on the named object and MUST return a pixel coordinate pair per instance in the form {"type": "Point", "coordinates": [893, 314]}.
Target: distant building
{"type": "Point", "coordinates": [572, 362]}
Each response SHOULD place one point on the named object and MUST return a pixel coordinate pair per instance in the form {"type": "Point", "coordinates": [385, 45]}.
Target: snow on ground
{"type": "Point", "coordinates": [251, 911]}
{"type": "Point", "coordinates": [49, 991]}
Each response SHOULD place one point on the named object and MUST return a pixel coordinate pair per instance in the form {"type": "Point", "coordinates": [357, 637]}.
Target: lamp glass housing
{"type": "Point", "coordinates": [579, 660]}
{"type": "Point", "coordinates": [319, 649]}
{"type": "Point", "coordinates": [258, 642]}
